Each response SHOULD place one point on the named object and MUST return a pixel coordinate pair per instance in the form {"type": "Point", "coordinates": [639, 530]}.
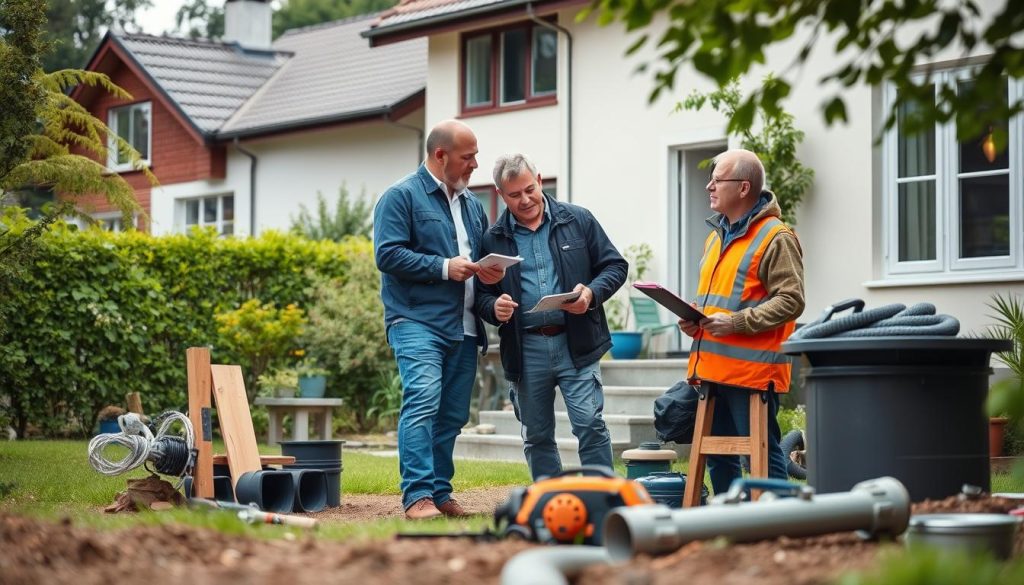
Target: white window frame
{"type": "Point", "coordinates": [111, 221]}
{"type": "Point", "coordinates": [112, 151]}
{"type": "Point", "coordinates": [947, 264]}
{"type": "Point", "coordinates": [218, 223]}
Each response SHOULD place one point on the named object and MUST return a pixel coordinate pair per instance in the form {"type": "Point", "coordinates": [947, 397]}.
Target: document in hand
{"type": "Point", "coordinates": [499, 260]}
{"type": "Point", "coordinates": [554, 302]}
{"type": "Point", "coordinates": [669, 300]}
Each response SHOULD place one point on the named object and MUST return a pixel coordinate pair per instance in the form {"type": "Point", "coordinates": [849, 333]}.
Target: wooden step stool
{"type": "Point", "coordinates": [755, 445]}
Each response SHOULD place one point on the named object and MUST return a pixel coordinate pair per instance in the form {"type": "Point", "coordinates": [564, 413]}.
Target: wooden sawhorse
{"type": "Point", "coordinates": [755, 445]}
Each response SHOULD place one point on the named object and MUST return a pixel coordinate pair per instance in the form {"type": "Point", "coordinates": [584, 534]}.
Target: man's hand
{"type": "Point", "coordinates": [504, 307]}
{"type": "Point", "coordinates": [580, 305]}
{"type": "Point", "coordinates": [718, 325]}
{"type": "Point", "coordinates": [690, 328]}
{"type": "Point", "coordinates": [461, 269]}
{"type": "Point", "coordinates": [491, 274]}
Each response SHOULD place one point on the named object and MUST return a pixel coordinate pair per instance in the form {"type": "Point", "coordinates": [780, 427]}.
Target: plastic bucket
{"type": "Point", "coordinates": [271, 491]}
{"type": "Point", "coordinates": [310, 490]}
{"type": "Point", "coordinates": [333, 478]}
{"type": "Point", "coordinates": [304, 451]}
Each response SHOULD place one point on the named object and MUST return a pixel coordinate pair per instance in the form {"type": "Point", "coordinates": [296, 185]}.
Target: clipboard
{"type": "Point", "coordinates": [670, 301]}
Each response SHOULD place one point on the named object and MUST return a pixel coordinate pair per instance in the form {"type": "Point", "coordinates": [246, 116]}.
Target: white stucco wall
{"type": "Point", "coordinates": [623, 172]}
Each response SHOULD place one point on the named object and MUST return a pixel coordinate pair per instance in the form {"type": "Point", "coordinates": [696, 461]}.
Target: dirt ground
{"type": "Point", "coordinates": [34, 551]}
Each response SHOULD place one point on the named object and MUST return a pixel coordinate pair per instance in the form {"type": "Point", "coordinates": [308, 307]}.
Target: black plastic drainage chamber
{"type": "Point", "coordinates": [908, 407]}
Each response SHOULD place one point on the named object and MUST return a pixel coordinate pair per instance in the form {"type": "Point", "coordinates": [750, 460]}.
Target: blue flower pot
{"type": "Point", "coordinates": [626, 344]}
{"type": "Point", "coordinates": [109, 426]}
{"type": "Point", "coordinates": [312, 386]}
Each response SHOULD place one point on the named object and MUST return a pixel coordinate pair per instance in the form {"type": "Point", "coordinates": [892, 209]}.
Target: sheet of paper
{"type": "Point", "coordinates": [554, 302]}
{"type": "Point", "coordinates": [499, 260]}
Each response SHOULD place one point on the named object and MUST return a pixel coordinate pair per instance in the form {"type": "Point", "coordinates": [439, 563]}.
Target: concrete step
{"type": "Point", "coordinates": [633, 429]}
{"type": "Point", "coordinates": [624, 399]}
{"type": "Point", "coordinates": [656, 372]}
{"type": "Point", "coordinates": [510, 448]}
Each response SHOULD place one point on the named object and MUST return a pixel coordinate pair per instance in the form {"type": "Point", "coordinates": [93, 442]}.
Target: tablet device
{"type": "Point", "coordinates": [670, 301]}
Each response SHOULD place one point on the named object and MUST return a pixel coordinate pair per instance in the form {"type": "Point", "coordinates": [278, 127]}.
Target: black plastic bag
{"type": "Point", "coordinates": [675, 413]}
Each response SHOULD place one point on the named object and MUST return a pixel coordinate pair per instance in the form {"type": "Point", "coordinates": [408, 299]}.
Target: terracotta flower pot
{"type": "Point", "coordinates": [996, 432]}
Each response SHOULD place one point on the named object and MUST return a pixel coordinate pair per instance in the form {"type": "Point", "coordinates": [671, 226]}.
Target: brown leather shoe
{"type": "Point", "coordinates": [453, 509]}
{"type": "Point", "coordinates": [422, 509]}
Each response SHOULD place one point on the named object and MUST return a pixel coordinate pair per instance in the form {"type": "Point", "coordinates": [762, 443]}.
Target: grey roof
{"type": "Point", "coordinates": [209, 81]}
{"type": "Point", "coordinates": [412, 10]}
{"type": "Point", "coordinates": [333, 75]}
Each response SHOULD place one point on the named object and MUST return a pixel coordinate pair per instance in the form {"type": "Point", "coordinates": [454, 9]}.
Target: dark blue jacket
{"type": "Point", "coordinates": [582, 254]}
{"type": "Point", "coordinates": [413, 234]}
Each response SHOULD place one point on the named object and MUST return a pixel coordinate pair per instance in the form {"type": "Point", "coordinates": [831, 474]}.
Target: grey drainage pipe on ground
{"type": "Point", "coordinates": [877, 507]}
{"type": "Point", "coordinates": [551, 565]}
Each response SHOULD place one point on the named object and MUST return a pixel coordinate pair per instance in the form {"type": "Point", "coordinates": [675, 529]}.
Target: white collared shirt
{"type": "Point", "coordinates": [465, 249]}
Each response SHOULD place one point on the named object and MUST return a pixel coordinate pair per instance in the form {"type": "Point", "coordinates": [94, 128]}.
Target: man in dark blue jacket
{"type": "Point", "coordinates": [564, 249]}
{"type": "Point", "coordinates": [426, 234]}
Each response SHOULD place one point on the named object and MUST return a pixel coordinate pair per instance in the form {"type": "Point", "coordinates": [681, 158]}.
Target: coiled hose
{"type": "Point", "coordinates": [885, 321]}
{"type": "Point", "coordinates": [170, 454]}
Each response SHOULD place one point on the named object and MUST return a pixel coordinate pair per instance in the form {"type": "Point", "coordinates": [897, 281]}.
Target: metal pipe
{"type": "Point", "coordinates": [568, 95]}
{"type": "Point", "coordinates": [252, 185]}
{"type": "Point", "coordinates": [879, 506]}
{"type": "Point", "coordinates": [551, 565]}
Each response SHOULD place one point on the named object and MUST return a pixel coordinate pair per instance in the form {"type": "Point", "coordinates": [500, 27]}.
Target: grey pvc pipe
{"type": "Point", "coordinates": [877, 507]}
{"type": "Point", "coordinates": [551, 565]}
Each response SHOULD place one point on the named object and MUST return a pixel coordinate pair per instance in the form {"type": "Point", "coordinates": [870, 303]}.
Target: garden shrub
{"type": "Point", "coordinates": [97, 314]}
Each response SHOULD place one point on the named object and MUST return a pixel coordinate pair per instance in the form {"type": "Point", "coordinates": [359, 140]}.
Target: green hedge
{"type": "Point", "coordinates": [99, 314]}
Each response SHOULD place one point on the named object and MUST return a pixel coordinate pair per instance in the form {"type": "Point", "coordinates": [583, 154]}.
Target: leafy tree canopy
{"type": "Point", "coordinates": [724, 39]}
{"type": "Point", "coordinates": [198, 19]}
{"type": "Point", "coordinates": [75, 27]}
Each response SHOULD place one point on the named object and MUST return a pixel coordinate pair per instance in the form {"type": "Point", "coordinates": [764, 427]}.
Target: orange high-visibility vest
{"type": "Point", "coordinates": [729, 282]}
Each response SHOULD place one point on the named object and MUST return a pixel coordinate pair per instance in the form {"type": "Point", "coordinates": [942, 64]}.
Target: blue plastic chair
{"type": "Point", "coordinates": [648, 320]}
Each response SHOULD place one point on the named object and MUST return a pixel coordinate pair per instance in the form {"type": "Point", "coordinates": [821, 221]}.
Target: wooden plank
{"type": "Point", "coordinates": [235, 420]}
{"type": "Point", "coordinates": [725, 446]}
{"type": "Point", "coordinates": [197, 363]}
{"type": "Point", "coordinates": [134, 402]}
{"type": "Point", "coordinates": [222, 459]}
{"type": "Point", "coordinates": [701, 429]}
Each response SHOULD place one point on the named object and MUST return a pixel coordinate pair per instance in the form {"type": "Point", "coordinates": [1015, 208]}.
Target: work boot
{"type": "Point", "coordinates": [422, 509]}
{"type": "Point", "coordinates": [453, 509]}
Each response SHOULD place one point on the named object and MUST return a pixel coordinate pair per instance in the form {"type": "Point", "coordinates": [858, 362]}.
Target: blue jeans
{"type": "Point", "coordinates": [546, 363]}
{"type": "Point", "coordinates": [732, 418]}
{"type": "Point", "coordinates": [437, 380]}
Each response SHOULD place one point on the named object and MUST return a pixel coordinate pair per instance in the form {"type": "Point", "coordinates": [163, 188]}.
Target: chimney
{"type": "Point", "coordinates": [248, 22]}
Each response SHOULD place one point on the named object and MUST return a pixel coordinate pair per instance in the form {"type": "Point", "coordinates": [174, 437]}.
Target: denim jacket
{"type": "Point", "coordinates": [413, 234]}
{"type": "Point", "coordinates": [582, 253]}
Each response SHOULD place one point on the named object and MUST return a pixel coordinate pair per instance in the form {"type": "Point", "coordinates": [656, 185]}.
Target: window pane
{"type": "Point", "coordinates": [227, 229]}
{"type": "Point", "coordinates": [123, 128]}
{"type": "Point", "coordinates": [916, 151]}
{"type": "Point", "coordinates": [545, 53]}
{"type": "Point", "coordinates": [979, 154]}
{"type": "Point", "coordinates": [486, 199]}
{"type": "Point", "coordinates": [478, 71]}
{"type": "Point", "coordinates": [550, 187]}
{"type": "Point", "coordinates": [985, 216]}
{"type": "Point", "coordinates": [140, 131]}
{"type": "Point", "coordinates": [228, 202]}
{"type": "Point", "coordinates": [192, 212]}
{"type": "Point", "coordinates": [917, 221]}
{"type": "Point", "coordinates": [513, 66]}
{"type": "Point", "coordinates": [209, 210]}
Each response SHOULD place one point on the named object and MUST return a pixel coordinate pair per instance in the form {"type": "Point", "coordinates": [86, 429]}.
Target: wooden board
{"type": "Point", "coordinates": [200, 386]}
{"type": "Point", "coordinates": [222, 459]}
{"type": "Point", "coordinates": [134, 402]}
{"type": "Point", "coordinates": [235, 421]}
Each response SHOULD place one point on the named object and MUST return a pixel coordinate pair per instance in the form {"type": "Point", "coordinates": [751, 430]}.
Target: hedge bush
{"type": "Point", "coordinates": [99, 314]}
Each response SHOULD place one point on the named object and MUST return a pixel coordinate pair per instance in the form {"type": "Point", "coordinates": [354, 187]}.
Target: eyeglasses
{"type": "Point", "coordinates": [713, 182]}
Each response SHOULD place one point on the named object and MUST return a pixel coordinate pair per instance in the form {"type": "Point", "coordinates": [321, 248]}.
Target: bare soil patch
{"type": "Point", "coordinates": [34, 551]}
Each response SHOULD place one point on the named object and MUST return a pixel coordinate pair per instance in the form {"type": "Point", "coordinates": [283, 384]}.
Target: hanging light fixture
{"type": "Point", "coordinates": [988, 146]}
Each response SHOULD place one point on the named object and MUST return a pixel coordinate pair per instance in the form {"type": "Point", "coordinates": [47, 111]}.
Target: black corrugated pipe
{"type": "Point", "coordinates": [252, 186]}
{"type": "Point", "coordinates": [568, 94]}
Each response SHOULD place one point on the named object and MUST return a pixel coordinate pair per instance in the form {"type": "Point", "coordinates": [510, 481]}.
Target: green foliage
{"type": "Point", "coordinates": [775, 143]}
{"type": "Point", "coordinates": [723, 39]}
{"type": "Point", "coordinates": [199, 20]}
{"type": "Point", "coordinates": [386, 402]}
{"type": "Point", "coordinates": [618, 309]}
{"type": "Point", "coordinates": [933, 566]}
{"type": "Point", "coordinates": [99, 314]}
{"type": "Point", "coordinates": [346, 332]}
{"type": "Point", "coordinates": [277, 379]}
{"type": "Point", "coordinates": [792, 418]}
{"type": "Point", "coordinates": [298, 13]}
{"type": "Point", "coordinates": [350, 218]}
{"type": "Point", "coordinates": [310, 367]}
{"type": "Point", "coordinates": [75, 27]}
{"type": "Point", "coordinates": [1007, 396]}
{"type": "Point", "coordinates": [257, 335]}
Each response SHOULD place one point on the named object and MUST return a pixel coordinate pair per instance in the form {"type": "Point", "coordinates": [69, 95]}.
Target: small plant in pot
{"type": "Point", "coordinates": [1006, 396]}
{"type": "Point", "coordinates": [312, 379]}
{"type": "Point", "coordinates": [280, 383]}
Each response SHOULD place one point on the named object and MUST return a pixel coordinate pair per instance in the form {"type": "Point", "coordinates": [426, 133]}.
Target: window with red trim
{"type": "Point", "coordinates": [508, 67]}
{"type": "Point", "coordinates": [494, 205]}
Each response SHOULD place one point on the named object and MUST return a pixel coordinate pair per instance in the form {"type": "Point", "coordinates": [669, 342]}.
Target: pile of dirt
{"type": "Point", "coordinates": [34, 551]}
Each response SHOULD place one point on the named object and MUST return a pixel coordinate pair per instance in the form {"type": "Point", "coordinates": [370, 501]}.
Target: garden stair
{"type": "Point", "coordinates": [630, 387]}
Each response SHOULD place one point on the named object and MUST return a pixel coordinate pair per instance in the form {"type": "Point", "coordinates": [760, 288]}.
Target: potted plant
{"type": "Point", "coordinates": [1006, 397]}
{"type": "Point", "coordinates": [312, 379]}
{"type": "Point", "coordinates": [626, 344]}
{"type": "Point", "coordinates": [281, 383]}
{"type": "Point", "coordinates": [107, 419]}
